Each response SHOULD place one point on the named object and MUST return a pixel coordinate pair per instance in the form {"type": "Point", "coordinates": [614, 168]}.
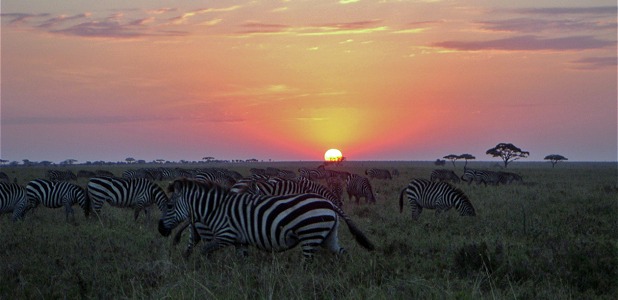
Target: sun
{"type": "Point", "coordinates": [333, 155]}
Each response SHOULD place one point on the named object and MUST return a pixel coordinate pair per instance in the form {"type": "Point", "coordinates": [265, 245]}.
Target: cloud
{"type": "Point", "coordinates": [113, 29]}
{"type": "Point", "coordinates": [594, 10]}
{"type": "Point", "coordinates": [21, 18]}
{"type": "Point", "coordinates": [537, 25]}
{"type": "Point", "coordinates": [358, 27]}
{"type": "Point", "coordinates": [596, 63]}
{"type": "Point", "coordinates": [528, 43]}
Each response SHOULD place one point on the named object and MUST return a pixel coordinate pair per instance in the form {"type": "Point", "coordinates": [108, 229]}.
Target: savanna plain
{"type": "Point", "coordinates": [554, 236]}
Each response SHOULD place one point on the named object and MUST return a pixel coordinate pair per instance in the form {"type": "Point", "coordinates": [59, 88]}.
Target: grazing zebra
{"type": "Point", "coordinates": [13, 198]}
{"type": "Point", "coordinates": [136, 193]}
{"type": "Point", "coordinates": [58, 175]}
{"type": "Point", "coordinates": [275, 223]}
{"type": "Point", "coordinates": [378, 173]}
{"type": "Point", "coordinates": [440, 196]}
{"type": "Point", "coordinates": [335, 185]}
{"type": "Point", "coordinates": [280, 186]}
{"type": "Point", "coordinates": [138, 173]}
{"type": "Point", "coordinates": [359, 186]}
{"type": "Point", "coordinates": [443, 175]}
{"type": "Point", "coordinates": [508, 178]}
{"type": "Point", "coordinates": [313, 174]}
{"type": "Point", "coordinates": [54, 194]}
{"type": "Point", "coordinates": [480, 176]}
{"type": "Point", "coordinates": [217, 177]}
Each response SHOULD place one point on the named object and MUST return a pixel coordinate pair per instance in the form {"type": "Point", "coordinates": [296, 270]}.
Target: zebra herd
{"type": "Point", "coordinates": [272, 209]}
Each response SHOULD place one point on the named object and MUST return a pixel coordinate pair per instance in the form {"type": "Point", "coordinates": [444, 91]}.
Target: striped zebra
{"type": "Point", "coordinates": [359, 186]}
{"type": "Point", "coordinates": [378, 173]}
{"type": "Point", "coordinates": [58, 175]}
{"type": "Point", "coordinates": [141, 173]}
{"type": "Point", "coordinates": [480, 176]}
{"type": "Point", "coordinates": [508, 178]}
{"type": "Point", "coordinates": [440, 196]}
{"type": "Point", "coordinates": [280, 186]}
{"type": "Point", "coordinates": [136, 193]}
{"type": "Point", "coordinates": [275, 223]}
{"type": "Point", "coordinates": [13, 199]}
{"type": "Point", "coordinates": [443, 175]}
{"type": "Point", "coordinates": [55, 194]}
{"type": "Point", "coordinates": [217, 177]}
{"type": "Point", "coordinates": [313, 174]}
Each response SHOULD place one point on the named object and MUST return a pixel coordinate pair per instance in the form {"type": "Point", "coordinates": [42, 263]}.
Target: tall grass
{"type": "Point", "coordinates": [552, 237]}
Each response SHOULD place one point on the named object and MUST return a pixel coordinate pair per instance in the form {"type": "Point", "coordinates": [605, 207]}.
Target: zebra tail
{"type": "Point", "coordinates": [87, 204]}
{"type": "Point", "coordinates": [359, 236]}
{"type": "Point", "coordinates": [178, 234]}
{"type": "Point", "coordinates": [401, 200]}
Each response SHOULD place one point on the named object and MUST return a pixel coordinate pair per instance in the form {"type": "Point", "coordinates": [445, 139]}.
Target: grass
{"type": "Point", "coordinates": [552, 237]}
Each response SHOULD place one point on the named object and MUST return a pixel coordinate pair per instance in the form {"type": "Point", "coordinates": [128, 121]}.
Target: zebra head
{"type": "Point", "coordinates": [177, 209]}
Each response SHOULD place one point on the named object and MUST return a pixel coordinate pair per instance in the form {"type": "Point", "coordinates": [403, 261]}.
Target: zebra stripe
{"type": "Point", "coordinates": [440, 196]}
{"type": "Point", "coordinates": [443, 175]}
{"type": "Point", "coordinates": [280, 186]}
{"type": "Point", "coordinates": [137, 193]}
{"type": "Point", "coordinates": [58, 175]}
{"type": "Point", "coordinates": [274, 223]}
{"type": "Point", "coordinates": [378, 173]}
{"type": "Point", "coordinates": [54, 194]}
{"type": "Point", "coordinates": [13, 199]}
{"type": "Point", "coordinates": [359, 186]}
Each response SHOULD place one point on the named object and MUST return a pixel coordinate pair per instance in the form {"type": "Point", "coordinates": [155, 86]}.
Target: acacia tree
{"type": "Point", "coordinates": [466, 156]}
{"type": "Point", "coordinates": [555, 158]}
{"type": "Point", "coordinates": [452, 158]}
{"type": "Point", "coordinates": [508, 152]}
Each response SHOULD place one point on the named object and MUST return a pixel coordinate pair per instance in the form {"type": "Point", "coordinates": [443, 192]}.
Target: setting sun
{"type": "Point", "coordinates": [333, 155]}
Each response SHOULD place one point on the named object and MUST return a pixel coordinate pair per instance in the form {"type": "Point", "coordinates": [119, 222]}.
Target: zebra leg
{"type": "Point", "coordinates": [68, 209]}
{"type": "Point", "coordinates": [416, 210]}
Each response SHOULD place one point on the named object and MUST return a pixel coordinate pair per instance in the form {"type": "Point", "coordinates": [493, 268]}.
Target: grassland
{"type": "Point", "coordinates": [553, 237]}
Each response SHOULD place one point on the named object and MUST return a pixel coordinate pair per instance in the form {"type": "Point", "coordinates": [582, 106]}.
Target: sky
{"type": "Point", "coordinates": [286, 80]}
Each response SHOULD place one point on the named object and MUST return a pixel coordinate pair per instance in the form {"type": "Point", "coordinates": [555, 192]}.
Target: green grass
{"type": "Point", "coordinates": [552, 237]}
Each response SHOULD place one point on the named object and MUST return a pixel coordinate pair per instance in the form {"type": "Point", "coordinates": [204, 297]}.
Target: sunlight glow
{"type": "Point", "coordinates": [333, 155]}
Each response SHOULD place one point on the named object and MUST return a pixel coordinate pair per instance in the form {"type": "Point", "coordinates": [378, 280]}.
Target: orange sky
{"type": "Point", "coordinates": [287, 80]}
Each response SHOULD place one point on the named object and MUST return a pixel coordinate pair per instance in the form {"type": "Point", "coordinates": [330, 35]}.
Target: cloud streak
{"type": "Point", "coordinates": [595, 63]}
{"type": "Point", "coordinates": [528, 43]}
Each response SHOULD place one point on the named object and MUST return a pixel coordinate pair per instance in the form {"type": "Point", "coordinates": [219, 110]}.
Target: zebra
{"type": "Point", "coordinates": [440, 196]}
{"type": "Point", "coordinates": [217, 177]}
{"type": "Point", "coordinates": [444, 175]}
{"type": "Point", "coordinates": [378, 173]}
{"type": "Point", "coordinates": [54, 194]}
{"type": "Point", "coordinates": [13, 199]}
{"type": "Point", "coordinates": [508, 178]}
{"type": "Point", "coordinates": [138, 173]}
{"type": "Point", "coordinates": [275, 223]}
{"type": "Point", "coordinates": [136, 193]}
{"type": "Point", "coordinates": [313, 174]}
{"type": "Point", "coordinates": [58, 175]}
{"type": "Point", "coordinates": [480, 176]}
{"type": "Point", "coordinates": [85, 174]}
{"type": "Point", "coordinates": [359, 186]}
{"type": "Point", "coordinates": [335, 185]}
{"type": "Point", "coordinates": [280, 186]}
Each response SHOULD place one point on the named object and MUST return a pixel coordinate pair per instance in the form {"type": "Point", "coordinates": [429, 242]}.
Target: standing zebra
{"type": "Point", "coordinates": [444, 175]}
{"type": "Point", "coordinates": [136, 193]}
{"type": "Point", "coordinates": [378, 173]}
{"type": "Point", "coordinates": [359, 186]}
{"type": "Point", "coordinates": [276, 223]}
{"type": "Point", "coordinates": [440, 196]}
{"type": "Point", "coordinates": [58, 175]}
{"type": "Point", "coordinates": [13, 198]}
{"type": "Point", "coordinates": [54, 194]}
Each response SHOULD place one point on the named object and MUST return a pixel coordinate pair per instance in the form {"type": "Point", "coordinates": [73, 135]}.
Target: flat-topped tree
{"type": "Point", "coordinates": [452, 158]}
{"type": "Point", "coordinates": [555, 158]}
{"type": "Point", "coordinates": [466, 157]}
{"type": "Point", "coordinates": [508, 152]}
